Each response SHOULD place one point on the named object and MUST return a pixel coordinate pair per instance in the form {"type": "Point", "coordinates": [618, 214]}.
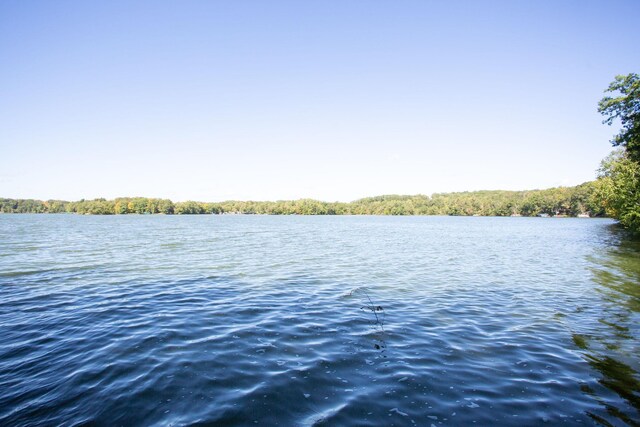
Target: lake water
{"type": "Point", "coordinates": [260, 320]}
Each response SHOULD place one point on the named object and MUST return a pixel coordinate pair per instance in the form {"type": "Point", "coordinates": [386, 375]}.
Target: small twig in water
{"type": "Point", "coordinates": [374, 309]}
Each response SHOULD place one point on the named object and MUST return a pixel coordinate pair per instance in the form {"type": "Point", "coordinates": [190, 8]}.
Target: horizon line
{"type": "Point", "coordinates": [299, 198]}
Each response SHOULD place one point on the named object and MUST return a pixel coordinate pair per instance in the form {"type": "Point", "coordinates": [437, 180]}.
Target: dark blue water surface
{"type": "Point", "coordinates": [244, 320]}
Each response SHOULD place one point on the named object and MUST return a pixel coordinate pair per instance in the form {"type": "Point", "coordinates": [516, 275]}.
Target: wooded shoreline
{"type": "Point", "coordinates": [560, 201]}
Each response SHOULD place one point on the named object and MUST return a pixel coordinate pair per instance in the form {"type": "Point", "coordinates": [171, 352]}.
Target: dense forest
{"type": "Point", "coordinates": [561, 201]}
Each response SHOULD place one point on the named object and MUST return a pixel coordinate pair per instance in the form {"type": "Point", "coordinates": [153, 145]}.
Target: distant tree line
{"type": "Point", "coordinates": [561, 201]}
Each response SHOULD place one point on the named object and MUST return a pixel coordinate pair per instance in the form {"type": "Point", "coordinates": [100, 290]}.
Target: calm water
{"type": "Point", "coordinates": [244, 320]}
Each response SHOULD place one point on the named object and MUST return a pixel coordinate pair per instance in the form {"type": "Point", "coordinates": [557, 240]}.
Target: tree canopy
{"type": "Point", "coordinates": [560, 201]}
{"type": "Point", "coordinates": [618, 185]}
{"type": "Point", "coordinates": [624, 106]}
{"type": "Point", "coordinates": [619, 189]}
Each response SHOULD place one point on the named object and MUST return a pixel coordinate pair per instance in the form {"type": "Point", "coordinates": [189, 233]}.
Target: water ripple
{"type": "Point", "coordinates": [241, 320]}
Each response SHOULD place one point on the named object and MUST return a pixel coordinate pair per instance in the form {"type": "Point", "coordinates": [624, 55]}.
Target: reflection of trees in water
{"type": "Point", "coordinates": [612, 348]}
{"type": "Point", "coordinates": [620, 378]}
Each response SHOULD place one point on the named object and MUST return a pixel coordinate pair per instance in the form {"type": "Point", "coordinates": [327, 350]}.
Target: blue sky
{"type": "Point", "coordinates": [333, 100]}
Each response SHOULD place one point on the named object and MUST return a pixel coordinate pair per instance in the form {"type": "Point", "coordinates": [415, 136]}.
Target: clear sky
{"type": "Point", "coordinates": [333, 100]}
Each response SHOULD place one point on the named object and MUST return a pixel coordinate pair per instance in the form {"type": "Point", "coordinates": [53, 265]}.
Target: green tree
{"type": "Point", "coordinates": [165, 206]}
{"type": "Point", "coordinates": [618, 189]}
{"type": "Point", "coordinates": [188, 208]}
{"type": "Point", "coordinates": [624, 106]}
{"type": "Point", "coordinates": [120, 206]}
